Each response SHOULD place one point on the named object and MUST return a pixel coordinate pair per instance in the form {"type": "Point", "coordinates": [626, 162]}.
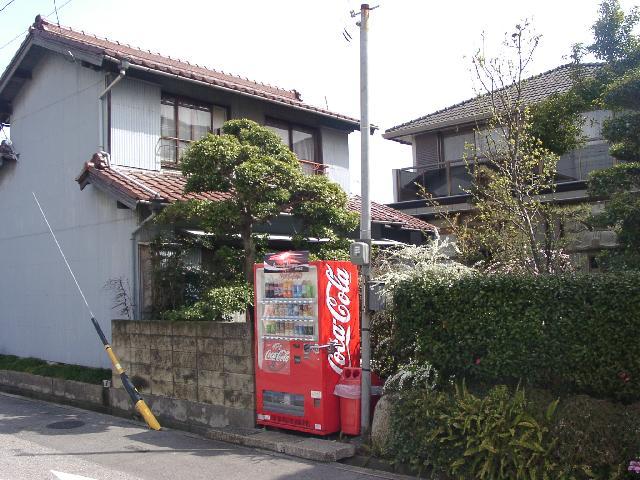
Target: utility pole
{"type": "Point", "coordinates": [365, 215]}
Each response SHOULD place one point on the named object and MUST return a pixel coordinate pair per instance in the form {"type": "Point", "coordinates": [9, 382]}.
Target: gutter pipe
{"type": "Point", "coordinates": [124, 65]}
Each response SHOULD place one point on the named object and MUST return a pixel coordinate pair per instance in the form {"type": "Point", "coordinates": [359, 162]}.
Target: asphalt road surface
{"type": "Point", "coordinates": [40, 440]}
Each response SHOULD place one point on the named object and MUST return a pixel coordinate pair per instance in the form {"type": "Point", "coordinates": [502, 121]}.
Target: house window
{"type": "Point", "coordinates": [455, 146]}
{"type": "Point", "coordinates": [303, 141]}
{"type": "Point", "coordinates": [183, 121]}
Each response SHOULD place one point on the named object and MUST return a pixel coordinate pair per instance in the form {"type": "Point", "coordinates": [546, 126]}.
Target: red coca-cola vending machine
{"type": "Point", "coordinates": [307, 330]}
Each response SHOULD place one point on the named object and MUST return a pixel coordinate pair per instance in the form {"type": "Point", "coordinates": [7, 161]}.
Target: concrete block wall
{"type": "Point", "coordinates": [207, 364]}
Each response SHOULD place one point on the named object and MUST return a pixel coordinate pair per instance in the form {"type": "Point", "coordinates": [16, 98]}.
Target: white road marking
{"type": "Point", "coordinates": [70, 476]}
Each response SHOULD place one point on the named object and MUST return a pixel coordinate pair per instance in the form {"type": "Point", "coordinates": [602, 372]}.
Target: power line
{"type": "Point", "coordinates": [55, 7]}
{"type": "Point", "coordinates": [5, 45]}
{"type": "Point", "coordinates": [7, 4]}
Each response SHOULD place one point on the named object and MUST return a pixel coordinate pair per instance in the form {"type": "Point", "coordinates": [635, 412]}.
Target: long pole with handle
{"type": "Point", "coordinates": [136, 398]}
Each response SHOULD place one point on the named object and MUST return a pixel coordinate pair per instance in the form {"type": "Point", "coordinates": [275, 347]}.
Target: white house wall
{"type": "Point", "coordinates": [54, 128]}
{"type": "Point", "coordinates": [135, 124]}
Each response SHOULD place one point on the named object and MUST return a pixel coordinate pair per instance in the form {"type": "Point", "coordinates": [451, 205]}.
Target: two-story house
{"type": "Point", "coordinates": [67, 95]}
{"type": "Point", "coordinates": [441, 140]}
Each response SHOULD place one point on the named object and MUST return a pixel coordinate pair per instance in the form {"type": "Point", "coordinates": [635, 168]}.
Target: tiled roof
{"type": "Point", "coordinates": [167, 186]}
{"type": "Point", "coordinates": [535, 89]}
{"type": "Point", "coordinates": [180, 68]}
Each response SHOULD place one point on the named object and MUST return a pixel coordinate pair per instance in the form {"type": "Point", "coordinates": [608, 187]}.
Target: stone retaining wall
{"type": "Point", "coordinates": [207, 364]}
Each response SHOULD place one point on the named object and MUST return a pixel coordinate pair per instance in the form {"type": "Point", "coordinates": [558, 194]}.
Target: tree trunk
{"type": "Point", "coordinates": [249, 252]}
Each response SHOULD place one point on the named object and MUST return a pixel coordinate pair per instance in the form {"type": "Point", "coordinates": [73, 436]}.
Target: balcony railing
{"type": "Point", "coordinates": [312, 168]}
{"type": "Point", "coordinates": [454, 178]}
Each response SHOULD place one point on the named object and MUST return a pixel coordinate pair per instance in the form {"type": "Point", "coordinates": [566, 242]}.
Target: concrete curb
{"type": "Point", "coordinates": [112, 401]}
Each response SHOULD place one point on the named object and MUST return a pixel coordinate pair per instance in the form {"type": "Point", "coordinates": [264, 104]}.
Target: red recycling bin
{"type": "Point", "coordinates": [348, 389]}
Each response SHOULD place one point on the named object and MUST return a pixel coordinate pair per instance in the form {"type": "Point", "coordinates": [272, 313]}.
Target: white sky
{"type": "Point", "coordinates": [417, 49]}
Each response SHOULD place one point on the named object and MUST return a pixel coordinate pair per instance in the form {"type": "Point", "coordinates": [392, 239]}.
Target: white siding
{"type": "Point", "coordinates": [335, 154]}
{"type": "Point", "coordinates": [135, 124]}
{"type": "Point", "coordinates": [54, 128]}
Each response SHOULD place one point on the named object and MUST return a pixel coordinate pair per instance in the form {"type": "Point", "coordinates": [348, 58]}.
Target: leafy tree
{"type": "Point", "coordinates": [512, 227]}
{"type": "Point", "coordinates": [260, 178]}
{"type": "Point", "coordinates": [617, 88]}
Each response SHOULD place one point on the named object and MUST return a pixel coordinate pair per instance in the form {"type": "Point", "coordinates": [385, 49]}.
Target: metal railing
{"type": "Point", "coordinates": [312, 168]}
{"type": "Point", "coordinates": [454, 177]}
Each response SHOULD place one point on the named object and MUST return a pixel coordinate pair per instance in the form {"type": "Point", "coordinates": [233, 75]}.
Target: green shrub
{"type": "Point", "coordinates": [494, 437]}
{"type": "Point", "coordinates": [219, 303]}
{"type": "Point", "coordinates": [596, 438]}
{"type": "Point", "coordinates": [570, 334]}
{"type": "Point", "coordinates": [55, 370]}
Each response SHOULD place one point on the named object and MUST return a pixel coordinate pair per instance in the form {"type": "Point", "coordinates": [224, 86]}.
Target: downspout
{"type": "Point", "coordinates": [155, 208]}
{"type": "Point", "coordinates": [124, 65]}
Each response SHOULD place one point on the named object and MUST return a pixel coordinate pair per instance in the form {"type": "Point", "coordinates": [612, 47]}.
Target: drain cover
{"type": "Point", "coordinates": [66, 424]}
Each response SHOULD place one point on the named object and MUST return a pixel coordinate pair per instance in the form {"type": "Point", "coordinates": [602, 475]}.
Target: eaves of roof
{"type": "Point", "coordinates": [535, 89]}
{"type": "Point", "coordinates": [95, 50]}
{"type": "Point", "coordinates": [134, 186]}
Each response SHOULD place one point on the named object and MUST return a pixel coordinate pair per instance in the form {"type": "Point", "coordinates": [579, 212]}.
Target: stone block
{"type": "Point", "coordinates": [214, 396]}
{"type": "Point", "coordinates": [184, 359]}
{"type": "Point", "coordinates": [185, 391]}
{"type": "Point", "coordinates": [57, 387]}
{"type": "Point", "coordinates": [207, 378]}
{"type": "Point", "coordinates": [160, 328]}
{"type": "Point", "coordinates": [115, 381]}
{"type": "Point", "coordinates": [240, 400]}
{"type": "Point", "coordinates": [209, 330]}
{"type": "Point", "coordinates": [185, 329]}
{"type": "Point", "coordinates": [236, 364]}
{"type": "Point", "coordinates": [238, 382]}
{"type": "Point", "coordinates": [381, 426]}
{"type": "Point", "coordinates": [168, 408]}
{"type": "Point", "coordinates": [140, 369]}
{"type": "Point", "coordinates": [118, 398]}
{"type": "Point", "coordinates": [161, 358]}
{"type": "Point", "coordinates": [144, 327]}
{"type": "Point", "coordinates": [119, 327]}
{"type": "Point", "coordinates": [241, 418]}
{"type": "Point", "coordinates": [235, 330]}
{"type": "Point", "coordinates": [141, 355]}
{"type": "Point", "coordinates": [237, 347]}
{"type": "Point", "coordinates": [210, 361]}
{"type": "Point", "coordinates": [319, 450]}
{"type": "Point", "coordinates": [184, 344]}
{"type": "Point", "coordinates": [210, 345]}
{"type": "Point", "coordinates": [34, 383]}
{"type": "Point", "coordinates": [140, 341]}
{"type": "Point", "coordinates": [160, 342]}
{"type": "Point", "coordinates": [185, 375]}
{"type": "Point", "coordinates": [83, 392]}
{"type": "Point", "coordinates": [120, 340]}
{"type": "Point", "coordinates": [161, 374]}
{"type": "Point", "coordinates": [161, 387]}
{"type": "Point", "coordinates": [207, 415]}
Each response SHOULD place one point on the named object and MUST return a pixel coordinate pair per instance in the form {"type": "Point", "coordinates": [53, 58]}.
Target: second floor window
{"type": "Point", "coordinates": [302, 141]}
{"type": "Point", "coordinates": [183, 121]}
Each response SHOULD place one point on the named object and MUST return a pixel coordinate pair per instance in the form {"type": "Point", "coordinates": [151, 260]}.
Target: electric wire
{"type": "Point", "coordinates": [7, 4]}
{"type": "Point", "coordinates": [5, 45]}
{"type": "Point", "coordinates": [55, 7]}
{"type": "Point", "coordinates": [63, 255]}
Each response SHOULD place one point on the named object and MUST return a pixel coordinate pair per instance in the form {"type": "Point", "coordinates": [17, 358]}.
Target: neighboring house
{"type": "Point", "coordinates": [438, 143]}
{"type": "Point", "coordinates": [66, 96]}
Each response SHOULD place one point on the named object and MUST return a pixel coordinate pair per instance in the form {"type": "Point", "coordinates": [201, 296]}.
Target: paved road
{"type": "Point", "coordinates": [102, 447]}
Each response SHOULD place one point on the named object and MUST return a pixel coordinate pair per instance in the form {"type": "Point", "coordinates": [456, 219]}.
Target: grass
{"type": "Point", "coordinates": [55, 370]}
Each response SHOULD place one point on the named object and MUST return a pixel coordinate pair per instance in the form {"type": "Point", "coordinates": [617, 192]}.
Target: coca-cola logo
{"type": "Point", "coordinates": [338, 301]}
{"type": "Point", "coordinates": [276, 356]}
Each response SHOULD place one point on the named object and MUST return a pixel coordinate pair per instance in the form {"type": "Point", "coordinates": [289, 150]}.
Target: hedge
{"type": "Point", "coordinates": [570, 334]}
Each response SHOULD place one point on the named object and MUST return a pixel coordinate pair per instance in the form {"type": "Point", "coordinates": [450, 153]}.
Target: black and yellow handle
{"type": "Point", "coordinates": [136, 398]}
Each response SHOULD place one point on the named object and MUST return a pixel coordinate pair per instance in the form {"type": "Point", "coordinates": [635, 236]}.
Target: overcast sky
{"type": "Point", "coordinates": [419, 49]}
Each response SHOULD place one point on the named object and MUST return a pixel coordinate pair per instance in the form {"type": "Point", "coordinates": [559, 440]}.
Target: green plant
{"type": "Point", "coordinates": [218, 303]}
{"type": "Point", "coordinates": [261, 178]}
{"type": "Point", "coordinates": [497, 436]}
{"type": "Point", "coordinates": [65, 371]}
{"type": "Point", "coordinates": [570, 334]}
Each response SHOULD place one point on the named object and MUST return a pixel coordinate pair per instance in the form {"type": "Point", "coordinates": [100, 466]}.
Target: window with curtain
{"type": "Point", "coordinates": [454, 146]}
{"type": "Point", "coordinates": [183, 121]}
{"type": "Point", "coordinates": [303, 141]}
